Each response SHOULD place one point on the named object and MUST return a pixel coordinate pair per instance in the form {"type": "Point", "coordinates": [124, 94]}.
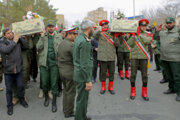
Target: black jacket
{"type": "Point", "coordinates": [11, 55]}
{"type": "Point", "coordinates": [94, 44]}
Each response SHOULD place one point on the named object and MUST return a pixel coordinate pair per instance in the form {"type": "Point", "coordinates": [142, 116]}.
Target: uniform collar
{"type": "Point", "coordinates": [86, 37]}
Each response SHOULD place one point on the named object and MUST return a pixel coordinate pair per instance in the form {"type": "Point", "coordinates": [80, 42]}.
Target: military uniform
{"type": "Point", "coordinates": [66, 69]}
{"type": "Point", "coordinates": [156, 50]}
{"type": "Point", "coordinates": [170, 55]}
{"type": "Point", "coordinates": [139, 60]}
{"type": "Point", "coordinates": [34, 65]}
{"type": "Point", "coordinates": [106, 57]}
{"type": "Point", "coordinates": [47, 48]}
{"type": "Point", "coordinates": [123, 55]}
{"type": "Point", "coordinates": [83, 65]}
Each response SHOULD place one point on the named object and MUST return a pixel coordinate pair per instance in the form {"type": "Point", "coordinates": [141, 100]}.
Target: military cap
{"type": "Point", "coordinates": [51, 22]}
{"type": "Point", "coordinates": [102, 22]}
{"type": "Point", "coordinates": [70, 30]}
{"type": "Point", "coordinates": [143, 22]}
{"type": "Point", "coordinates": [170, 20]}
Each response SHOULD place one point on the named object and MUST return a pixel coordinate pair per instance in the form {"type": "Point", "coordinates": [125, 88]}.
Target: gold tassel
{"type": "Point", "coordinates": [149, 65]}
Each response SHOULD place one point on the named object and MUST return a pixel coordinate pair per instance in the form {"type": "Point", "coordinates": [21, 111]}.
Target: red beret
{"type": "Point", "coordinates": [103, 22]}
{"type": "Point", "coordinates": [143, 22]}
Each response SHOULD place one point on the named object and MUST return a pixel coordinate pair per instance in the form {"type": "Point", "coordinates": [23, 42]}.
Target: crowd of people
{"type": "Point", "coordinates": [68, 62]}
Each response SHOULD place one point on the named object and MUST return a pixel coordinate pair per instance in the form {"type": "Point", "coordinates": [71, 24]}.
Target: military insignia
{"type": "Point", "coordinates": [144, 22]}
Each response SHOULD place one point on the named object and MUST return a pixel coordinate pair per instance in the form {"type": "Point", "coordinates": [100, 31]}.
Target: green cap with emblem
{"type": "Point", "coordinates": [170, 20]}
{"type": "Point", "coordinates": [51, 22]}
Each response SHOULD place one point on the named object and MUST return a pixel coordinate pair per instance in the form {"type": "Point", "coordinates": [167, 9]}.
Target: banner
{"type": "Point", "coordinates": [28, 27]}
{"type": "Point", "coordinates": [124, 26]}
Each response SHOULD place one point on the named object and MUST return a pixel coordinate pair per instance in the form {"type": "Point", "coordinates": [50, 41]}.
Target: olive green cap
{"type": "Point", "coordinates": [51, 22]}
{"type": "Point", "coordinates": [170, 20]}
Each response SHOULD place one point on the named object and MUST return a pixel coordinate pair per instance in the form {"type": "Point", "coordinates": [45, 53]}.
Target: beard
{"type": "Point", "coordinates": [90, 34]}
{"type": "Point", "coordinates": [51, 31]}
{"type": "Point", "coordinates": [170, 28]}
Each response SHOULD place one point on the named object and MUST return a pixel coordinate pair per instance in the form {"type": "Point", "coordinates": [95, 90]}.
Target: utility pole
{"type": "Point", "coordinates": [134, 8]}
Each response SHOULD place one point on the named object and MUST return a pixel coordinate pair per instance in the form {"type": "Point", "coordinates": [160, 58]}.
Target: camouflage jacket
{"type": "Point", "coordinates": [120, 44]}
{"type": "Point", "coordinates": [42, 47]}
{"type": "Point", "coordinates": [136, 53]}
{"type": "Point", "coordinates": [106, 51]}
{"type": "Point", "coordinates": [156, 42]}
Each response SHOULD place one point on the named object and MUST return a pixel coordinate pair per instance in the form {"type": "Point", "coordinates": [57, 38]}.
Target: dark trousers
{"type": "Point", "coordinates": [10, 79]}
{"type": "Point", "coordinates": [95, 67]}
{"type": "Point", "coordinates": [172, 71]}
{"type": "Point", "coordinates": [34, 65]}
{"type": "Point", "coordinates": [157, 61]}
{"type": "Point", "coordinates": [123, 59]}
{"type": "Point", "coordinates": [139, 64]}
{"type": "Point", "coordinates": [1, 73]}
{"type": "Point", "coordinates": [81, 102]}
{"type": "Point", "coordinates": [104, 66]}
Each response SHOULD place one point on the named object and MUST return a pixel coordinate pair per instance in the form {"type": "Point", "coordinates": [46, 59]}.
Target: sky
{"type": "Point", "coordinates": [77, 9]}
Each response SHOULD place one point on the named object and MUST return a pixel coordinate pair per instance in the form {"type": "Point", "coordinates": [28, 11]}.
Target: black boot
{"type": "Point", "coordinates": [10, 111]}
{"type": "Point", "coordinates": [24, 104]}
{"type": "Point", "coordinates": [46, 102]}
{"type": "Point", "coordinates": [169, 91]}
{"type": "Point", "coordinates": [54, 106]}
{"type": "Point", "coordinates": [163, 81]}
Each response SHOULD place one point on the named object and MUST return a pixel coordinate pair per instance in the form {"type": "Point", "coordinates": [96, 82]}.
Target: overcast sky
{"type": "Point", "coordinates": [77, 9]}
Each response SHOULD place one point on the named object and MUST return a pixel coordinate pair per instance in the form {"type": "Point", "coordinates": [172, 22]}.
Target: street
{"type": "Point", "coordinates": [104, 107]}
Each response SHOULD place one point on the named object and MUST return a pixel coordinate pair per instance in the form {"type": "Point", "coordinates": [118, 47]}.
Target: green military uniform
{"type": "Point", "coordinates": [66, 69]}
{"type": "Point", "coordinates": [123, 52]}
{"type": "Point", "coordinates": [83, 64]}
{"type": "Point", "coordinates": [138, 59]}
{"type": "Point", "coordinates": [106, 56]}
{"type": "Point", "coordinates": [170, 55]}
{"type": "Point", "coordinates": [47, 48]}
{"type": "Point", "coordinates": [156, 50]}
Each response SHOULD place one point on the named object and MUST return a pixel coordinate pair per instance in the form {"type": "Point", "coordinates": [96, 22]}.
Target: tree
{"type": "Point", "coordinates": [170, 8]}
{"type": "Point", "coordinates": [14, 10]}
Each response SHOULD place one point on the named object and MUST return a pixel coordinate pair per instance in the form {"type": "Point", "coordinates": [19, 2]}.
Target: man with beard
{"type": "Point", "coordinates": [66, 68]}
{"type": "Point", "coordinates": [47, 48]}
{"type": "Point", "coordinates": [170, 56]}
{"type": "Point", "coordinates": [139, 57]}
{"type": "Point", "coordinates": [10, 48]}
{"type": "Point", "coordinates": [106, 56]}
{"type": "Point", "coordinates": [83, 65]}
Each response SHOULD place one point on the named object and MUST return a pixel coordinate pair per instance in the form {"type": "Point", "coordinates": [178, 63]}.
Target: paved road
{"type": "Point", "coordinates": [105, 107]}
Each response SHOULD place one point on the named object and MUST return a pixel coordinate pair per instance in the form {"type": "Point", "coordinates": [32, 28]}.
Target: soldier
{"type": "Point", "coordinates": [156, 50]}
{"type": "Point", "coordinates": [1, 72]}
{"type": "Point", "coordinates": [123, 54]}
{"type": "Point", "coordinates": [170, 55]}
{"type": "Point", "coordinates": [66, 68]}
{"type": "Point", "coordinates": [139, 57]}
{"type": "Point", "coordinates": [106, 56]}
{"type": "Point", "coordinates": [83, 65]}
{"type": "Point", "coordinates": [47, 48]}
{"type": "Point", "coordinates": [34, 65]}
